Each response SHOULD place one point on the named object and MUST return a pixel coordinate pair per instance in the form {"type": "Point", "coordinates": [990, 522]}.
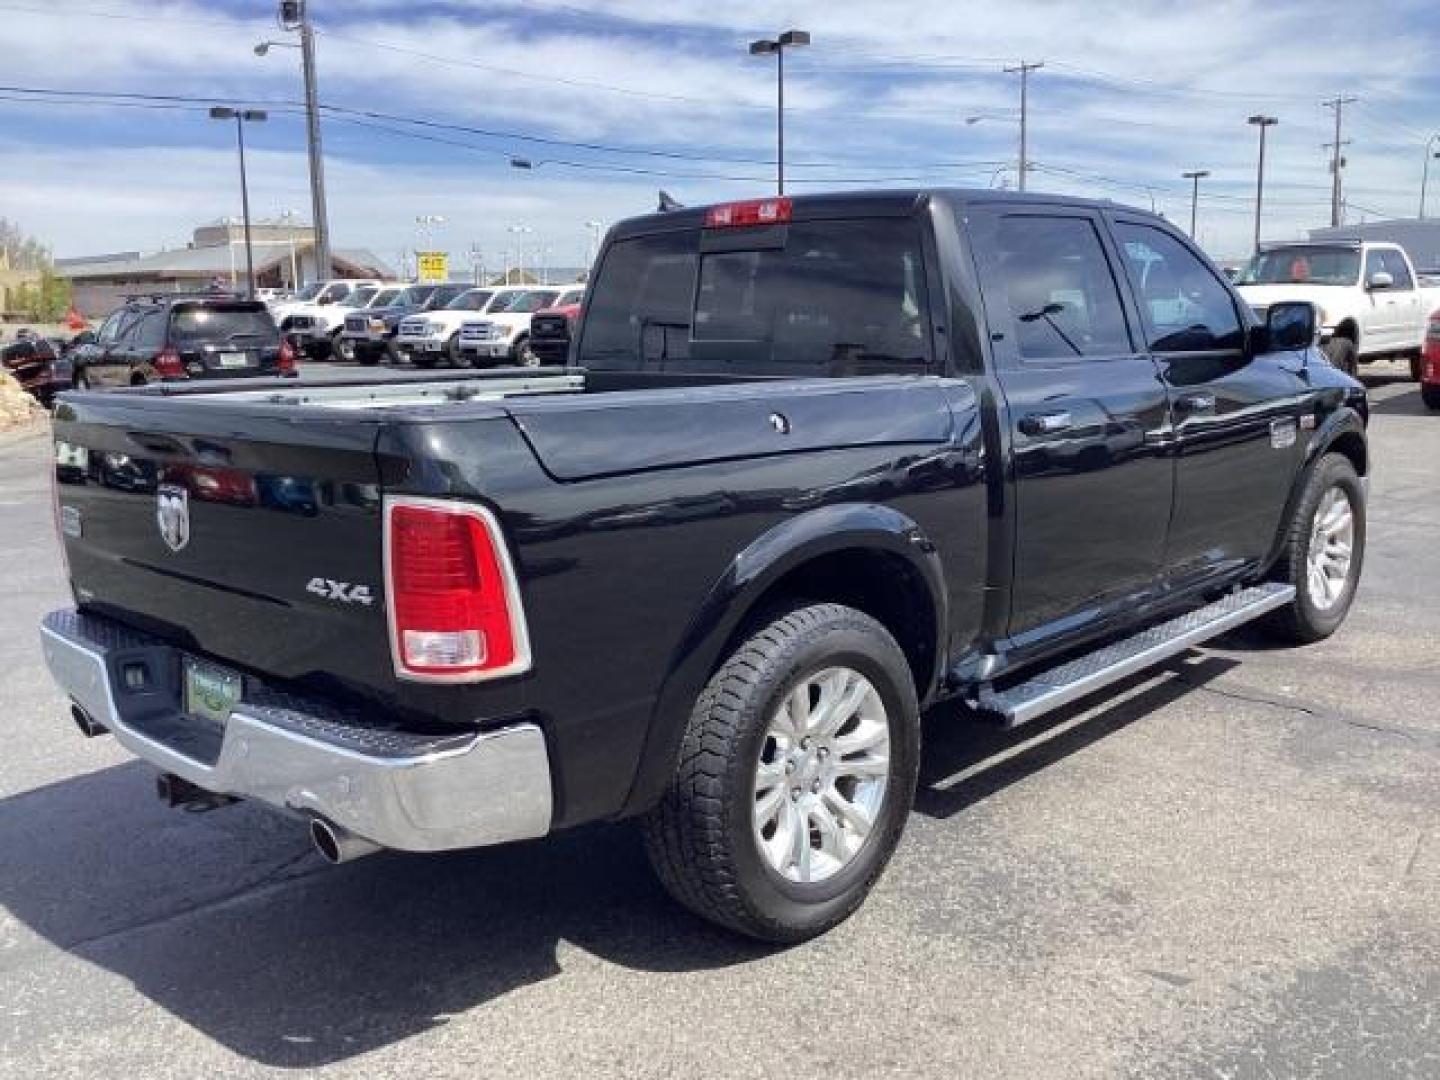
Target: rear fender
{"type": "Point", "coordinates": [743, 592]}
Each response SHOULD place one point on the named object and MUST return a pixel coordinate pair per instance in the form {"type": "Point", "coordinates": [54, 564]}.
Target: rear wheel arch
{"type": "Point", "coordinates": [868, 557]}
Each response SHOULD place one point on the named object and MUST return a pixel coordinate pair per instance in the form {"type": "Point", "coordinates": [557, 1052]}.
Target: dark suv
{"type": "Point", "coordinates": [171, 337]}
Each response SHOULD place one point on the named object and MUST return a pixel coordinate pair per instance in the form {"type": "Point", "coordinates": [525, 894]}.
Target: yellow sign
{"type": "Point", "coordinates": [433, 265]}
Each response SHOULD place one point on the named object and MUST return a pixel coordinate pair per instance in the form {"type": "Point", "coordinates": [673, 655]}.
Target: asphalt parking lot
{"type": "Point", "coordinates": [1230, 868]}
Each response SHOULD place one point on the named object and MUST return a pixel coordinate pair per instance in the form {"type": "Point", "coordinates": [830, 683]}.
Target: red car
{"type": "Point", "coordinates": [1430, 364]}
{"type": "Point", "coordinates": [550, 328]}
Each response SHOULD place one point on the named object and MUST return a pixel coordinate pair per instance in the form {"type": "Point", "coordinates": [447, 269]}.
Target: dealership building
{"type": "Point", "coordinates": [284, 254]}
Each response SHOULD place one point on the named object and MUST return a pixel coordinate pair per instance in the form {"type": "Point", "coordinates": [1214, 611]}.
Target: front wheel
{"type": "Point", "coordinates": [1323, 554]}
{"type": "Point", "coordinates": [795, 777]}
{"type": "Point", "coordinates": [1417, 367]}
{"type": "Point", "coordinates": [1431, 396]}
{"type": "Point", "coordinates": [343, 349]}
{"type": "Point", "coordinates": [1343, 354]}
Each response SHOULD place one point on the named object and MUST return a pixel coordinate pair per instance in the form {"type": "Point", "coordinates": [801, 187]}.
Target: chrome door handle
{"type": "Point", "coordinates": [1045, 423]}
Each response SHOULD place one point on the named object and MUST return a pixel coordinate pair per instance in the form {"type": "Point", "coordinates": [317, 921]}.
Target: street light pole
{"type": "Point", "coordinates": [764, 47]}
{"type": "Point", "coordinates": [1425, 175]}
{"type": "Point", "coordinates": [518, 231]}
{"type": "Point", "coordinates": [241, 118]}
{"type": "Point", "coordinates": [1023, 69]}
{"type": "Point", "coordinates": [595, 228]}
{"type": "Point", "coordinates": [1262, 122]}
{"type": "Point", "coordinates": [1195, 178]}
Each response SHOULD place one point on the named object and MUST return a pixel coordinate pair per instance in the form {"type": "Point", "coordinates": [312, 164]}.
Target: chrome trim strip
{"type": "Point", "coordinates": [494, 789]}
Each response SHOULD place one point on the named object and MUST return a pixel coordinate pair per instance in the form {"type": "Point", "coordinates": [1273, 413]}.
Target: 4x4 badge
{"type": "Point", "coordinates": [172, 514]}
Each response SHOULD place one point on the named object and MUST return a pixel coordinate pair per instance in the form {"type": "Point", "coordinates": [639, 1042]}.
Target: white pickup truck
{"type": "Point", "coordinates": [1369, 300]}
{"type": "Point", "coordinates": [315, 317]}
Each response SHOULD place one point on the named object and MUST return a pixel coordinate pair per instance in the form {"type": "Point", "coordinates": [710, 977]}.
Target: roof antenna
{"type": "Point", "coordinates": [668, 202]}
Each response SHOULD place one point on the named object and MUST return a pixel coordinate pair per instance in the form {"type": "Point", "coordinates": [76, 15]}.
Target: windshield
{"type": "Point", "coordinates": [1304, 265]}
{"type": "Point", "coordinates": [474, 300]}
{"type": "Point", "coordinates": [415, 295]}
{"type": "Point", "coordinates": [335, 292]}
{"type": "Point", "coordinates": [309, 292]}
{"type": "Point", "coordinates": [522, 303]}
{"type": "Point", "coordinates": [384, 297]}
{"type": "Point", "coordinates": [443, 294]}
{"type": "Point", "coordinates": [362, 296]}
{"type": "Point", "coordinates": [221, 323]}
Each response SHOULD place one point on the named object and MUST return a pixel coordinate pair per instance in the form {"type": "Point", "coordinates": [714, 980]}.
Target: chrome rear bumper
{"type": "Point", "coordinates": [399, 790]}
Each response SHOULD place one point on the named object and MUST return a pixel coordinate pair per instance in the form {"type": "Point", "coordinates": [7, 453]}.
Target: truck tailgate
{"type": "Point", "coordinates": [252, 537]}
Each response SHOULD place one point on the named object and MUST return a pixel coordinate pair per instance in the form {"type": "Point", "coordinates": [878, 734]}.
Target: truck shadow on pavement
{"type": "Point", "coordinates": [230, 923]}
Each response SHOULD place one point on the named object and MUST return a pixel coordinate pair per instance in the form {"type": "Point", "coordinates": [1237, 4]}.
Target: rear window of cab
{"type": "Point", "coordinates": [839, 297]}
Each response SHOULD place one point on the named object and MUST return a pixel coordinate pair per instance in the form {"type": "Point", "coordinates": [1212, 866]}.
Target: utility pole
{"type": "Point", "coordinates": [1023, 69]}
{"type": "Point", "coordinates": [294, 15]}
{"type": "Point", "coordinates": [1262, 122]}
{"type": "Point", "coordinates": [1336, 161]}
{"type": "Point", "coordinates": [1425, 175]}
{"type": "Point", "coordinates": [1195, 178]}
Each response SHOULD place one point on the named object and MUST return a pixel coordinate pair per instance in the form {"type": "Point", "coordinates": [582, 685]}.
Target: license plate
{"type": "Point", "coordinates": [211, 692]}
{"type": "Point", "coordinates": [233, 359]}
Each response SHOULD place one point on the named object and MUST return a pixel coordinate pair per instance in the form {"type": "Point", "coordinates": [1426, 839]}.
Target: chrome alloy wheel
{"type": "Point", "coordinates": [1331, 550]}
{"type": "Point", "coordinates": [822, 776]}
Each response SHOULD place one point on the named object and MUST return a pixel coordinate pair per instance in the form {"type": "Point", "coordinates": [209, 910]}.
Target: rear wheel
{"type": "Point", "coordinates": [1343, 354]}
{"type": "Point", "coordinates": [1324, 552]}
{"type": "Point", "coordinates": [1431, 396]}
{"type": "Point", "coordinates": [796, 774]}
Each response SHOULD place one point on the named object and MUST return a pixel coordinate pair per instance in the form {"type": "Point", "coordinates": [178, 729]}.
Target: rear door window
{"type": "Point", "coordinates": [1062, 298]}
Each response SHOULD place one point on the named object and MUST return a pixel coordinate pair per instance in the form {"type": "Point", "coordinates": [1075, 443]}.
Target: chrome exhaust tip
{"type": "Point", "coordinates": [86, 723]}
{"type": "Point", "coordinates": [337, 845]}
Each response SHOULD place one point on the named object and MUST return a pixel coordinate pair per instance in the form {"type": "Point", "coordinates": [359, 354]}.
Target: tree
{"type": "Point", "coordinates": [20, 251]}
{"type": "Point", "coordinates": [46, 301]}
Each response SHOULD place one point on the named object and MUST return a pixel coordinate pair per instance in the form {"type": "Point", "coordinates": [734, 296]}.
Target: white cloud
{"type": "Point", "coordinates": [1134, 91]}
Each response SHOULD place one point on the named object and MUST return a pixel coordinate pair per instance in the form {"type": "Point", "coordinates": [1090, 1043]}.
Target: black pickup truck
{"type": "Point", "coordinates": [818, 464]}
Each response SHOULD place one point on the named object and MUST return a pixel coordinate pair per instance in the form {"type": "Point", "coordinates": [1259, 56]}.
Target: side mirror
{"type": "Point", "coordinates": [1381, 279]}
{"type": "Point", "coordinates": [1290, 324]}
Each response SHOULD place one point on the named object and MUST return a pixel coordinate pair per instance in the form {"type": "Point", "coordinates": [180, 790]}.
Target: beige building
{"type": "Point", "coordinates": [284, 254]}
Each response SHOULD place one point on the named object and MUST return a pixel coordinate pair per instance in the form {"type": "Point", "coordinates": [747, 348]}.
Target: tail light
{"type": "Point", "coordinates": [752, 212]}
{"type": "Point", "coordinates": [286, 362]}
{"type": "Point", "coordinates": [169, 365]}
{"type": "Point", "coordinates": [454, 603]}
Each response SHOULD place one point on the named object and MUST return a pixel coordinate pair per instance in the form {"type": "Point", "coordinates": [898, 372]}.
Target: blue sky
{"type": "Point", "coordinates": [1132, 95]}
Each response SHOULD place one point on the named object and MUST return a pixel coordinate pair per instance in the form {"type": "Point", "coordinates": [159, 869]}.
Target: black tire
{"type": "Point", "coordinates": [1343, 354]}
{"type": "Point", "coordinates": [1417, 367]}
{"type": "Point", "coordinates": [1304, 620]}
{"type": "Point", "coordinates": [392, 354]}
{"type": "Point", "coordinates": [523, 355]}
{"type": "Point", "coordinates": [452, 351]}
{"type": "Point", "coordinates": [700, 838]}
{"type": "Point", "coordinates": [80, 380]}
{"type": "Point", "coordinates": [344, 350]}
{"type": "Point", "coordinates": [366, 356]}
{"type": "Point", "coordinates": [1430, 395]}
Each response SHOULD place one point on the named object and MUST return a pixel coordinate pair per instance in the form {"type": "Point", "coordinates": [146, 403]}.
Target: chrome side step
{"type": "Point", "coordinates": [1071, 681]}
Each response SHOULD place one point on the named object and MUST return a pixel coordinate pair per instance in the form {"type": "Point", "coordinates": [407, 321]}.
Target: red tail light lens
{"type": "Point", "coordinates": [169, 365]}
{"type": "Point", "coordinates": [286, 362]}
{"type": "Point", "coordinates": [455, 612]}
{"type": "Point", "coordinates": [752, 212]}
